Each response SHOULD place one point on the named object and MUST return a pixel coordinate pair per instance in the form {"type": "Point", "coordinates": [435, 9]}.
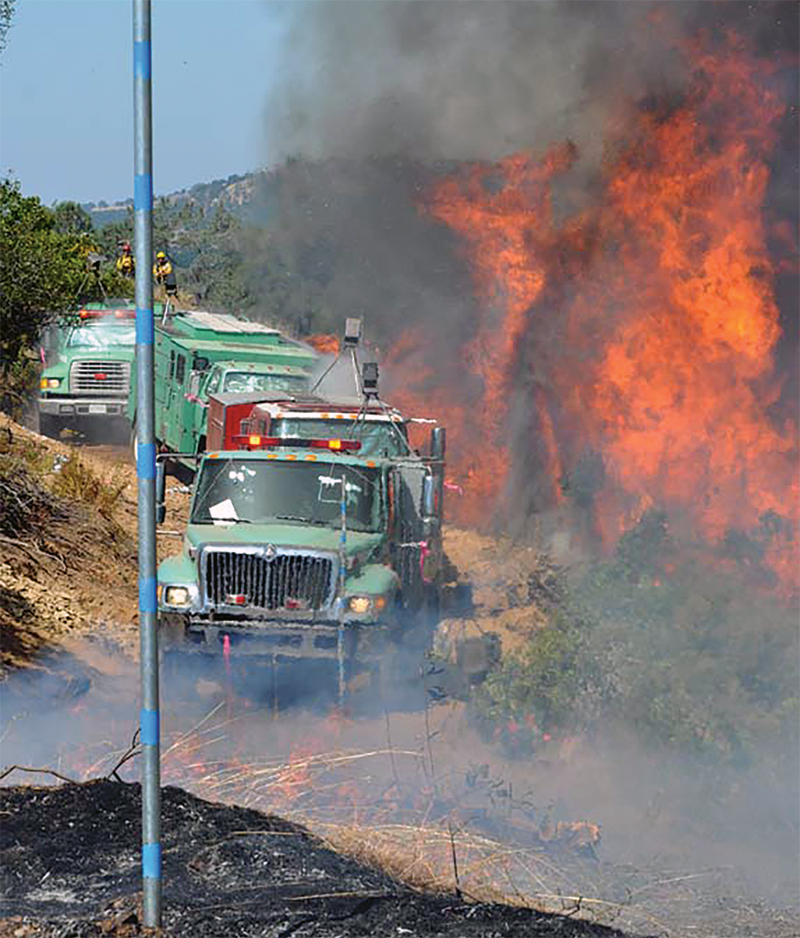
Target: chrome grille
{"type": "Point", "coordinates": [112, 378]}
{"type": "Point", "coordinates": [267, 583]}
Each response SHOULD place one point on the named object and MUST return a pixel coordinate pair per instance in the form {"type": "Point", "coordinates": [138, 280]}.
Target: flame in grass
{"type": "Point", "coordinates": [643, 331]}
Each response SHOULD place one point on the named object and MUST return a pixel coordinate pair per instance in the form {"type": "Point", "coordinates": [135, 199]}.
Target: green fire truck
{"type": "Point", "coordinates": [198, 353]}
{"type": "Point", "coordinates": [89, 381]}
{"type": "Point", "coordinates": [303, 548]}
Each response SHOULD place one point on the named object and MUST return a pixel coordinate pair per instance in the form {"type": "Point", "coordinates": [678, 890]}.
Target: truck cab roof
{"type": "Point", "coordinates": [311, 405]}
{"type": "Point", "coordinates": [327, 456]}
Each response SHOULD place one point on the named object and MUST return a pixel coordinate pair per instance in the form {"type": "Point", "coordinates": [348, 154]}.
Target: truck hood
{"type": "Point", "coordinates": [110, 353]}
{"type": "Point", "coordinates": [282, 535]}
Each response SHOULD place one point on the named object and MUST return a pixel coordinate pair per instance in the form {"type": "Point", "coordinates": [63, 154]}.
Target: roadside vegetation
{"type": "Point", "coordinates": [689, 659]}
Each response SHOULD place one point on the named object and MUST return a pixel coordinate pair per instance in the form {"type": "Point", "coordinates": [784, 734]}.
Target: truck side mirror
{"type": "Point", "coordinates": [194, 383]}
{"type": "Point", "coordinates": [161, 487]}
{"type": "Point", "coordinates": [438, 443]}
{"type": "Point", "coordinates": [428, 496]}
{"type": "Point", "coordinates": [430, 493]}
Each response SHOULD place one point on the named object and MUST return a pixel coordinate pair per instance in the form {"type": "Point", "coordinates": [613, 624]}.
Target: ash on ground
{"type": "Point", "coordinates": [70, 868]}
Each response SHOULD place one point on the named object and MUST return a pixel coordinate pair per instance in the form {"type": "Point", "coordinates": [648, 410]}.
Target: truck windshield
{"type": "Point", "coordinates": [257, 491]}
{"type": "Point", "coordinates": [241, 382]}
{"type": "Point", "coordinates": [377, 438]}
{"type": "Point", "coordinates": [101, 336]}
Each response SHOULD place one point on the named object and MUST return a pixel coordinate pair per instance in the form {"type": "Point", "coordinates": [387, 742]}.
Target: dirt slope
{"type": "Point", "coordinates": [68, 564]}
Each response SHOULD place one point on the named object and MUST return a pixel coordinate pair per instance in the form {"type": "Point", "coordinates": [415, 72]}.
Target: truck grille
{"type": "Point", "coordinates": [96, 377]}
{"type": "Point", "coordinates": [286, 581]}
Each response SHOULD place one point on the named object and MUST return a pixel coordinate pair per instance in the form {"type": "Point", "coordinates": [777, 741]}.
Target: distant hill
{"type": "Point", "coordinates": [249, 197]}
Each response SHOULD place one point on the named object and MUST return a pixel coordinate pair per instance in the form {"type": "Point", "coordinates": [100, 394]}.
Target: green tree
{"type": "Point", "coordinates": [40, 271]}
{"type": "Point", "coordinates": [6, 13]}
{"type": "Point", "coordinates": [43, 271]}
{"type": "Point", "coordinates": [71, 218]}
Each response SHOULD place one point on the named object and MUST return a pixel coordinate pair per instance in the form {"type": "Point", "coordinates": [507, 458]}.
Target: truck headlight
{"type": "Point", "coordinates": [45, 383]}
{"type": "Point", "coordinates": [359, 604]}
{"type": "Point", "coordinates": [177, 596]}
{"type": "Point", "coordinates": [363, 604]}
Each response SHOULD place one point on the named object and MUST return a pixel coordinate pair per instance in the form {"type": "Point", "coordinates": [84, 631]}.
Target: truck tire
{"type": "Point", "coordinates": [51, 425]}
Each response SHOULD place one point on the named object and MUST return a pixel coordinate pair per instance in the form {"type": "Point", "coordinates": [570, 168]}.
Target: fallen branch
{"type": "Point", "coordinates": [133, 750]}
{"type": "Point", "coordinates": [28, 768]}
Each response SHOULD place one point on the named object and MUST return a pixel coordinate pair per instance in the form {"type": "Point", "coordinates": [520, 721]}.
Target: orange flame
{"type": "Point", "coordinates": [661, 355]}
{"type": "Point", "coordinates": [324, 343]}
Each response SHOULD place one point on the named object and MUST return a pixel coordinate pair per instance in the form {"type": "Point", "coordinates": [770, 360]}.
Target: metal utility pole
{"type": "Point", "coordinates": [146, 463]}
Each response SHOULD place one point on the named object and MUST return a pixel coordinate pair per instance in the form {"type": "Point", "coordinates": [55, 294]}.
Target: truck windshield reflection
{"type": "Point", "coordinates": [257, 491]}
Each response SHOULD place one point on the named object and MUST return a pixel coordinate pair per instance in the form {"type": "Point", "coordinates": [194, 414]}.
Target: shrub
{"type": "Point", "coordinates": [76, 480]}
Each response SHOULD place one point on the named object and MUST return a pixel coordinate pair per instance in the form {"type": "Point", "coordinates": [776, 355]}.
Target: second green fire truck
{"type": "Point", "coordinates": [199, 353]}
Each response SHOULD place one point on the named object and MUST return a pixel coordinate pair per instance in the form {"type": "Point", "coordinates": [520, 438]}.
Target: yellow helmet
{"type": "Point", "coordinates": [161, 256]}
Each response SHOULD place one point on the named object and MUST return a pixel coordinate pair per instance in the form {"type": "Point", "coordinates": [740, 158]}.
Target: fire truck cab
{"type": "Point", "coordinates": [235, 419]}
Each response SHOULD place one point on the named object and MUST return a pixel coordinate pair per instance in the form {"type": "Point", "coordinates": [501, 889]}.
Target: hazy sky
{"type": "Point", "coordinates": [66, 94]}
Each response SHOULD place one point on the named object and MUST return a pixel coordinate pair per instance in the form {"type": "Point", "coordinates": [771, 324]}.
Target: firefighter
{"type": "Point", "coordinates": [126, 264]}
{"type": "Point", "coordinates": [165, 275]}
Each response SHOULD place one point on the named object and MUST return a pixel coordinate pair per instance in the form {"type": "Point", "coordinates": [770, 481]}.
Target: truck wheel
{"type": "Point", "coordinates": [50, 425]}
{"type": "Point", "coordinates": [399, 676]}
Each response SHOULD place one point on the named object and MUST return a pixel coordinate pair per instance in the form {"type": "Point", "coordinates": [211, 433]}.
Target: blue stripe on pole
{"type": "Point", "coordinates": [151, 861]}
{"type": "Point", "coordinates": [144, 326]}
{"type": "Point", "coordinates": [148, 600]}
{"type": "Point", "coordinates": [148, 727]}
{"type": "Point", "coordinates": [141, 60]}
{"type": "Point", "coordinates": [143, 192]}
{"type": "Point", "coordinates": [146, 460]}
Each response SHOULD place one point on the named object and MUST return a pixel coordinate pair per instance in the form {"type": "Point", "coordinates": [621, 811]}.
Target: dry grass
{"type": "Point", "coordinates": [332, 794]}
{"type": "Point", "coordinates": [76, 480]}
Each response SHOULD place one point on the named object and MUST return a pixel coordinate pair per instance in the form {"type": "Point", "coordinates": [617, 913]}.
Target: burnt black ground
{"type": "Point", "coordinates": [69, 861]}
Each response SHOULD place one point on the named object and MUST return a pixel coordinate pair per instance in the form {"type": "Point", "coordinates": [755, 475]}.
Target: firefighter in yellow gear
{"type": "Point", "coordinates": [126, 263]}
{"type": "Point", "coordinates": [164, 274]}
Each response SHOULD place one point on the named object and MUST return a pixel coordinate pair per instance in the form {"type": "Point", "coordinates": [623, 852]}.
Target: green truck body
{"type": "Point", "coordinates": [90, 378]}
{"type": "Point", "coordinates": [272, 564]}
{"type": "Point", "coordinates": [197, 353]}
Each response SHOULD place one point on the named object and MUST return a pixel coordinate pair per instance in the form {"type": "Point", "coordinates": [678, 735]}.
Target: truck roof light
{"type": "Point", "coordinates": [256, 441]}
{"type": "Point", "coordinates": [105, 313]}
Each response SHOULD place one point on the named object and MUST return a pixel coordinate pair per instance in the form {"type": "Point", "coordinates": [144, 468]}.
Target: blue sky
{"type": "Point", "coordinates": [66, 94]}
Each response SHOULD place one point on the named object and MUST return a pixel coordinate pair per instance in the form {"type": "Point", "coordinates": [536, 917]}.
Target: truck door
{"type": "Point", "coordinates": [410, 534]}
{"type": "Point", "coordinates": [173, 411]}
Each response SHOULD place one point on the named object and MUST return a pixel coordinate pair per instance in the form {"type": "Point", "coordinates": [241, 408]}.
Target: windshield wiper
{"type": "Point", "coordinates": [303, 520]}
{"type": "Point", "coordinates": [231, 520]}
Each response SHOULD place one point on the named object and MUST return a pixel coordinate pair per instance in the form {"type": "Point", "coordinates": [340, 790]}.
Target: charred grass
{"type": "Point", "coordinates": [70, 866]}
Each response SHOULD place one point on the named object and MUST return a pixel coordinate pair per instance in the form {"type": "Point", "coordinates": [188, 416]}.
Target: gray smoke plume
{"type": "Point", "coordinates": [452, 80]}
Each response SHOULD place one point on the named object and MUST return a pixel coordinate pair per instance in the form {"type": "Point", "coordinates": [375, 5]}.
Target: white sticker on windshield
{"type": "Point", "coordinates": [327, 489]}
{"type": "Point", "coordinates": [223, 512]}
{"type": "Point", "coordinates": [328, 494]}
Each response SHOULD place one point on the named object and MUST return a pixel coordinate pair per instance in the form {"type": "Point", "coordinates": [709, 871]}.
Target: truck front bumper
{"type": "Point", "coordinates": [367, 640]}
{"type": "Point", "coordinates": [81, 407]}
